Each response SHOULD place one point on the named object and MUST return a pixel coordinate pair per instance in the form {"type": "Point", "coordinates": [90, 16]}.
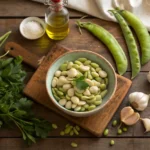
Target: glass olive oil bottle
{"type": "Point", "coordinates": [57, 20]}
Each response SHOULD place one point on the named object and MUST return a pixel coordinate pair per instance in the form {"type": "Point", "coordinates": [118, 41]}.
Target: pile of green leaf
{"type": "Point", "coordinates": [14, 108]}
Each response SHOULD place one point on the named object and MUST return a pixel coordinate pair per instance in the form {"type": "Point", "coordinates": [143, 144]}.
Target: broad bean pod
{"type": "Point", "coordinates": [109, 40]}
{"type": "Point", "coordinates": [141, 32]}
{"type": "Point", "coordinates": [131, 43]}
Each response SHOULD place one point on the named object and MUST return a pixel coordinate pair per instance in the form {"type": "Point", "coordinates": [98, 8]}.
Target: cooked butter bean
{"type": "Point", "coordinates": [82, 109]}
{"type": "Point", "coordinates": [62, 102]}
{"type": "Point", "coordinates": [87, 92]}
{"type": "Point", "coordinates": [66, 87]}
{"type": "Point", "coordinates": [70, 65]}
{"type": "Point", "coordinates": [81, 103]}
{"type": "Point", "coordinates": [74, 106]}
{"type": "Point", "coordinates": [78, 108]}
{"type": "Point", "coordinates": [89, 82]}
{"type": "Point", "coordinates": [72, 73]}
{"type": "Point", "coordinates": [94, 89]}
{"type": "Point", "coordinates": [70, 92]}
{"type": "Point", "coordinates": [86, 106]}
{"type": "Point", "coordinates": [84, 68]}
{"type": "Point", "coordinates": [75, 99]}
{"type": "Point", "coordinates": [102, 74]}
{"type": "Point", "coordinates": [54, 82]}
{"type": "Point", "coordinates": [68, 105]}
{"type": "Point", "coordinates": [58, 73]}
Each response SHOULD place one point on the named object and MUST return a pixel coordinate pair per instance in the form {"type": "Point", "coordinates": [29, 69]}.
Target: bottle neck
{"type": "Point", "coordinates": [56, 6]}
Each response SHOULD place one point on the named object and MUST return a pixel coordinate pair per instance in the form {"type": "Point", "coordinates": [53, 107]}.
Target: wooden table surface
{"type": "Point", "coordinates": [12, 12]}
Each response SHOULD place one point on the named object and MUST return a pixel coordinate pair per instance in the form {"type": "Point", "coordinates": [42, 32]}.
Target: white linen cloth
{"type": "Point", "coordinates": [99, 8]}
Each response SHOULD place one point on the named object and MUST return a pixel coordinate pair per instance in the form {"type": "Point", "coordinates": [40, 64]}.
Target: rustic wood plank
{"type": "Point", "coordinates": [73, 41]}
{"type": "Point", "coordinates": [25, 8]}
{"type": "Point", "coordinates": [83, 144]}
{"type": "Point", "coordinates": [133, 131]}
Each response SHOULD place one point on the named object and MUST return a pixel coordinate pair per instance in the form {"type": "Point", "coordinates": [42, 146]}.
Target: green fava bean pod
{"type": "Point", "coordinates": [109, 40]}
{"type": "Point", "coordinates": [131, 43]}
{"type": "Point", "coordinates": [141, 32]}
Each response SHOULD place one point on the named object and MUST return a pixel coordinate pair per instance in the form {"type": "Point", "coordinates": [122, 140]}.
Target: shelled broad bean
{"type": "Point", "coordinates": [72, 98]}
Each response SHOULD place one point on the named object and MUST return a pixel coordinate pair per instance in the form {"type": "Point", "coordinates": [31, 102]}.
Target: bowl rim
{"type": "Point", "coordinates": [86, 112]}
{"type": "Point", "coordinates": [39, 20]}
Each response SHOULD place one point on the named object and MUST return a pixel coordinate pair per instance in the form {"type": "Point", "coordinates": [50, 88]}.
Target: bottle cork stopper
{"type": "Point", "coordinates": [56, 1]}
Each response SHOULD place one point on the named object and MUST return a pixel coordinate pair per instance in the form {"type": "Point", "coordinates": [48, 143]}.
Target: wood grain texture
{"type": "Point", "coordinates": [28, 57]}
{"type": "Point", "coordinates": [83, 144]}
{"type": "Point", "coordinates": [95, 123]}
{"type": "Point", "coordinates": [25, 8]}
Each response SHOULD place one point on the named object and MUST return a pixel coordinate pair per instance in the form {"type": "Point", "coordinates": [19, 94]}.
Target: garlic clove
{"type": "Point", "coordinates": [128, 116]}
{"type": "Point", "coordinates": [139, 100]}
{"type": "Point", "coordinates": [126, 112]}
{"type": "Point", "coordinates": [146, 123]}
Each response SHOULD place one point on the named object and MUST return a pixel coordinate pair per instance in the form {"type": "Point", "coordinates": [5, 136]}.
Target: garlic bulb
{"type": "Point", "coordinates": [146, 123]}
{"type": "Point", "coordinates": [148, 76]}
{"type": "Point", "coordinates": [139, 100]}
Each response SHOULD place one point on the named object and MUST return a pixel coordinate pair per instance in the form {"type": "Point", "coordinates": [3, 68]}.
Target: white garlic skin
{"type": "Point", "coordinates": [148, 76]}
{"type": "Point", "coordinates": [146, 122]}
{"type": "Point", "coordinates": [139, 100]}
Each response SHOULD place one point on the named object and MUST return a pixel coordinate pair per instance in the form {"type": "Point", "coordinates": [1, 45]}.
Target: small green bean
{"type": "Point", "coordinates": [106, 131]}
{"type": "Point", "coordinates": [92, 69]}
{"type": "Point", "coordinates": [78, 62]}
{"type": "Point", "coordinates": [103, 87]}
{"type": "Point", "coordinates": [75, 66]}
{"type": "Point", "coordinates": [112, 142]}
{"type": "Point", "coordinates": [119, 131]}
{"type": "Point", "coordinates": [103, 93]}
{"type": "Point", "coordinates": [86, 74]}
{"type": "Point", "coordinates": [71, 133]}
{"type": "Point", "coordinates": [62, 133]}
{"type": "Point", "coordinates": [67, 125]}
{"type": "Point", "coordinates": [75, 131]}
{"type": "Point", "coordinates": [57, 97]}
{"type": "Point", "coordinates": [89, 75]}
{"type": "Point", "coordinates": [63, 67]}
{"type": "Point", "coordinates": [60, 93]}
{"type": "Point", "coordinates": [98, 69]}
{"type": "Point", "coordinates": [54, 126]}
{"type": "Point", "coordinates": [87, 62]}
{"type": "Point", "coordinates": [74, 145]}
{"type": "Point", "coordinates": [91, 107]}
{"type": "Point", "coordinates": [94, 74]}
{"type": "Point", "coordinates": [125, 129]}
{"type": "Point", "coordinates": [77, 127]}
{"type": "Point", "coordinates": [114, 123]}
{"type": "Point", "coordinates": [68, 98]}
{"type": "Point", "coordinates": [98, 79]}
{"type": "Point", "coordinates": [82, 60]}
{"type": "Point", "coordinates": [97, 103]}
{"type": "Point", "coordinates": [68, 129]}
{"type": "Point", "coordinates": [106, 81]}
{"type": "Point", "coordinates": [86, 106]}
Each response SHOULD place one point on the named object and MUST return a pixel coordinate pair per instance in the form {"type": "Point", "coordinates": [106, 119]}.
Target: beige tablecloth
{"type": "Point", "coordinates": [99, 8]}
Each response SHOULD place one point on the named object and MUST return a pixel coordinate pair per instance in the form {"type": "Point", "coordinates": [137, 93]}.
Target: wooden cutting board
{"type": "Point", "coordinates": [36, 89]}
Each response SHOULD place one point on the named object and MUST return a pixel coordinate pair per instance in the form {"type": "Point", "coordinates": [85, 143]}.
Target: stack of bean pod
{"type": "Point", "coordinates": [124, 18]}
{"type": "Point", "coordinates": [69, 95]}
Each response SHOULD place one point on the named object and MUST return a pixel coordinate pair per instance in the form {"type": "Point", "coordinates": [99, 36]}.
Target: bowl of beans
{"type": "Point", "coordinates": [81, 83]}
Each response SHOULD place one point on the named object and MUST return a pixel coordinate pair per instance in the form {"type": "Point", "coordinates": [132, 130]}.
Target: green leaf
{"type": "Point", "coordinates": [81, 84]}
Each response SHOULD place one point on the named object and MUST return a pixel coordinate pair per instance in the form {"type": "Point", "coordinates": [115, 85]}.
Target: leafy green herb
{"type": "Point", "coordinates": [14, 108]}
{"type": "Point", "coordinates": [80, 83]}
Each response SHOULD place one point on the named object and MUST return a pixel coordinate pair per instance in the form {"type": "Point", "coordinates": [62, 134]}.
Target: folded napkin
{"type": "Point", "coordinates": [99, 8]}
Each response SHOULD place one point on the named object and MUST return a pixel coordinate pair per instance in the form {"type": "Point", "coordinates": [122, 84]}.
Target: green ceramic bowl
{"type": "Point", "coordinates": [72, 56]}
